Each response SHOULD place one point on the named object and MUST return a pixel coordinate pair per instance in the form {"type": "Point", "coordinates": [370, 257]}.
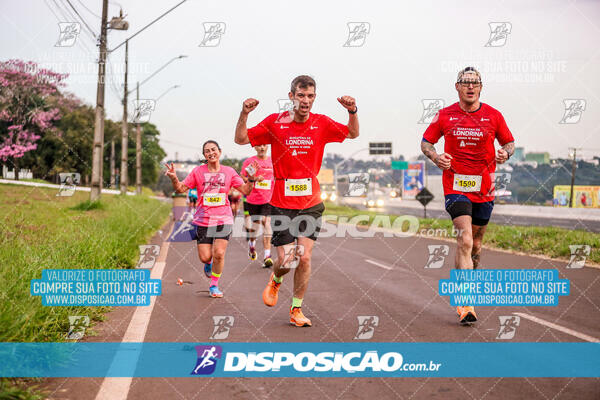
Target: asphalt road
{"type": "Point", "coordinates": [351, 277]}
{"type": "Point", "coordinates": [498, 218]}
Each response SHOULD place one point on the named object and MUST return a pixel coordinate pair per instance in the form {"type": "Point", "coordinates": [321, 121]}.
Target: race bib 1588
{"type": "Point", "coordinates": [298, 187]}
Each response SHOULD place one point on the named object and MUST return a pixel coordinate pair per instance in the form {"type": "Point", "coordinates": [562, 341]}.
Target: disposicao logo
{"type": "Point", "coordinates": [319, 362]}
{"type": "Point", "coordinates": [207, 359]}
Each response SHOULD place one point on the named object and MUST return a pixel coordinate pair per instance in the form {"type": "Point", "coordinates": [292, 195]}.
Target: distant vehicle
{"type": "Point", "coordinates": [374, 200]}
{"type": "Point", "coordinates": [328, 192]}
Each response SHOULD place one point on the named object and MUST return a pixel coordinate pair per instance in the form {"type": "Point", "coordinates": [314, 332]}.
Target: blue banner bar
{"type": "Point", "coordinates": [300, 359]}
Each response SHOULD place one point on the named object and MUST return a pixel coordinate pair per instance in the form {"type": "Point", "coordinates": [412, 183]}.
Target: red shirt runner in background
{"type": "Point", "coordinates": [469, 139]}
{"type": "Point", "coordinates": [297, 154]}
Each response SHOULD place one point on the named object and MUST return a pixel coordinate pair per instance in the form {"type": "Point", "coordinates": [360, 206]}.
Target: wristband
{"type": "Point", "coordinates": [355, 110]}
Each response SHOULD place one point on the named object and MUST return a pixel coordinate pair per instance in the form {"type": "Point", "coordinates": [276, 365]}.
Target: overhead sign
{"type": "Point", "coordinates": [399, 165]}
{"type": "Point", "coordinates": [380, 148]}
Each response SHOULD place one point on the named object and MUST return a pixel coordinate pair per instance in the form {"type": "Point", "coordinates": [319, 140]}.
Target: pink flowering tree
{"type": "Point", "coordinates": [29, 107]}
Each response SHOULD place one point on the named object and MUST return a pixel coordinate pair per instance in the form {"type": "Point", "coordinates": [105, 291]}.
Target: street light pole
{"type": "Point", "coordinates": [138, 148]}
{"type": "Point", "coordinates": [125, 129]}
{"type": "Point", "coordinates": [138, 135]}
{"type": "Point", "coordinates": [573, 168]}
{"type": "Point", "coordinates": [98, 149]}
{"type": "Point", "coordinates": [166, 91]}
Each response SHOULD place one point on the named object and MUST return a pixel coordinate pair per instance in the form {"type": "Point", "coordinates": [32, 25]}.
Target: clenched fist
{"type": "Point", "coordinates": [443, 161]}
{"type": "Point", "coordinates": [347, 102]}
{"type": "Point", "coordinates": [501, 156]}
{"type": "Point", "coordinates": [249, 105]}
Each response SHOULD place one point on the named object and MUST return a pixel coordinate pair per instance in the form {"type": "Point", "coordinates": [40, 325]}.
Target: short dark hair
{"type": "Point", "coordinates": [205, 161]}
{"type": "Point", "coordinates": [209, 142]}
{"type": "Point", "coordinates": [303, 82]}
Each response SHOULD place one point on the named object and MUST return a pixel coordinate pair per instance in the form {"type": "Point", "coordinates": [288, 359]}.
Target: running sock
{"type": "Point", "coordinates": [277, 279]}
{"type": "Point", "coordinates": [252, 242]}
{"type": "Point", "coordinates": [214, 279]}
{"type": "Point", "coordinates": [296, 302]}
{"type": "Point", "coordinates": [268, 253]}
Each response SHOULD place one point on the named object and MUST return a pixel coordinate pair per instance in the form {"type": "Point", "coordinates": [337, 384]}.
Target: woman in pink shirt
{"type": "Point", "coordinates": [213, 217]}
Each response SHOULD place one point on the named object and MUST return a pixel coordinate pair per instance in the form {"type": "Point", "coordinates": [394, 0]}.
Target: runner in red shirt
{"type": "Point", "coordinates": [257, 209]}
{"type": "Point", "coordinates": [469, 128]}
{"type": "Point", "coordinates": [297, 138]}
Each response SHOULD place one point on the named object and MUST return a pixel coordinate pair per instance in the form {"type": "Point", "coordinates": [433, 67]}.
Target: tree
{"type": "Point", "coordinates": [68, 147]}
{"type": "Point", "coordinates": [152, 153]}
{"type": "Point", "coordinates": [29, 106]}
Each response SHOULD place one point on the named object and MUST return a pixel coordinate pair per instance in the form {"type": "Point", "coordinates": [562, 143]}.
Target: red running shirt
{"type": "Point", "coordinates": [469, 139]}
{"type": "Point", "coordinates": [297, 154]}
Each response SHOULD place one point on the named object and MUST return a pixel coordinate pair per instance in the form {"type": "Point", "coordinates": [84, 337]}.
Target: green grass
{"type": "Point", "coordinates": [19, 389]}
{"type": "Point", "coordinates": [33, 180]}
{"type": "Point", "coordinates": [39, 230]}
{"type": "Point", "coordinates": [540, 240]}
{"type": "Point", "coordinates": [88, 205]}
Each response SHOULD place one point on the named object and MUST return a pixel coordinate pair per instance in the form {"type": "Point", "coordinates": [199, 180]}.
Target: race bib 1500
{"type": "Point", "coordinates": [298, 187]}
{"type": "Point", "coordinates": [467, 183]}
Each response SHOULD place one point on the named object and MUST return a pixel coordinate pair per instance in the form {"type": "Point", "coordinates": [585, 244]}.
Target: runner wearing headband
{"type": "Point", "coordinates": [469, 128]}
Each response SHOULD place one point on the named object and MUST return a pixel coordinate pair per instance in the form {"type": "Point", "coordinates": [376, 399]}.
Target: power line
{"type": "Point", "coordinates": [90, 11]}
{"type": "Point", "coordinates": [112, 85]}
{"type": "Point", "coordinates": [144, 28]}
{"type": "Point", "coordinates": [69, 16]}
{"type": "Point", "coordinates": [64, 19]}
{"type": "Point", "coordinates": [82, 19]}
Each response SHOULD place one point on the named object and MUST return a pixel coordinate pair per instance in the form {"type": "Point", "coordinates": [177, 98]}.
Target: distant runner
{"type": "Point", "coordinates": [469, 128]}
{"type": "Point", "coordinates": [298, 139]}
{"type": "Point", "coordinates": [192, 200]}
{"type": "Point", "coordinates": [213, 217]}
{"type": "Point", "coordinates": [257, 209]}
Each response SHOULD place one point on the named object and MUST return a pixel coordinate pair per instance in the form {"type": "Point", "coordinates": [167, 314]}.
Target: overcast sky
{"type": "Point", "coordinates": [411, 52]}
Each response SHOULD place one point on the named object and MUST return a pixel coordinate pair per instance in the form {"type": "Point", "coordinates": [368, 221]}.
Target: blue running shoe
{"type": "Point", "coordinates": [215, 292]}
{"type": "Point", "coordinates": [208, 270]}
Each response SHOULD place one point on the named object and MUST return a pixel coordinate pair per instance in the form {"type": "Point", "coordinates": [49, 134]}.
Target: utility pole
{"type": "Point", "coordinates": [98, 149]}
{"type": "Point", "coordinates": [112, 163]}
{"type": "Point", "coordinates": [124, 129]}
{"type": "Point", "coordinates": [138, 148]}
{"type": "Point", "coordinates": [573, 168]}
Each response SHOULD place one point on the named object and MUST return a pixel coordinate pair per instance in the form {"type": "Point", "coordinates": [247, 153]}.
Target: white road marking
{"type": "Point", "coordinates": [114, 388]}
{"type": "Point", "coordinates": [379, 265]}
{"type": "Point", "coordinates": [562, 329]}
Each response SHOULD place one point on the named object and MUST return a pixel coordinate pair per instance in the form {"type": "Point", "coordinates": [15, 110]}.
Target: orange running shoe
{"type": "Point", "coordinates": [297, 318]}
{"type": "Point", "coordinates": [271, 292]}
{"type": "Point", "coordinates": [466, 314]}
